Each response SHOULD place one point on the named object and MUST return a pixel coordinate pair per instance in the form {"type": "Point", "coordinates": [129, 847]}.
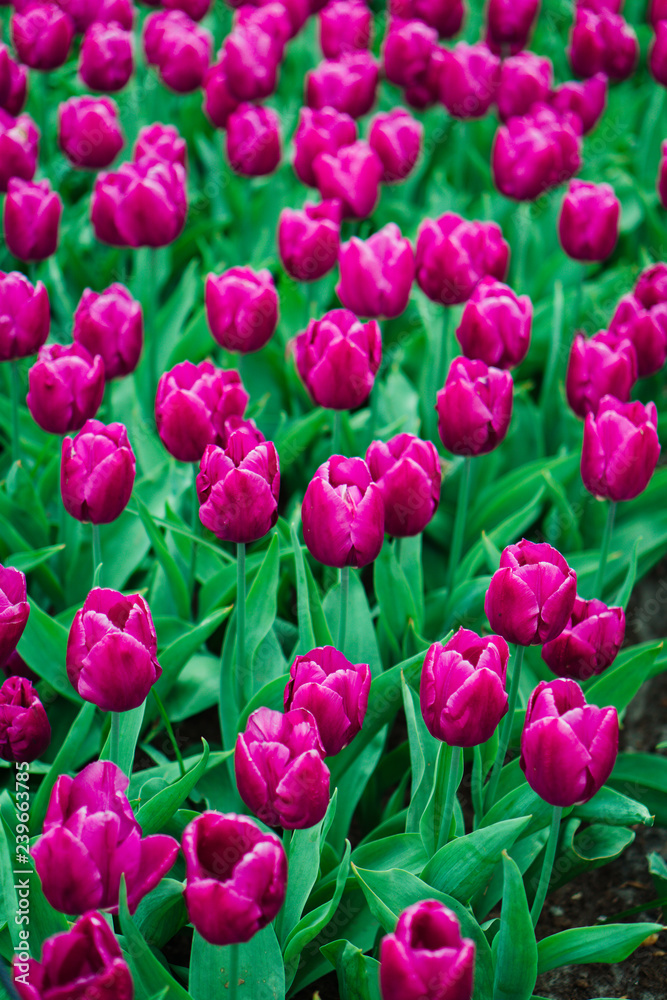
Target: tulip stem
{"type": "Point", "coordinates": [507, 728]}
{"type": "Point", "coordinates": [170, 732]}
{"type": "Point", "coordinates": [194, 526]}
{"type": "Point", "coordinates": [344, 599]}
{"type": "Point", "coordinates": [547, 865]}
{"type": "Point", "coordinates": [240, 622]}
{"type": "Point", "coordinates": [15, 380]}
{"type": "Point", "coordinates": [114, 739]}
{"type": "Point", "coordinates": [97, 555]}
{"type": "Point", "coordinates": [337, 433]}
{"type": "Point", "coordinates": [459, 522]}
{"type": "Point", "coordinates": [598, 588]}
{"type": "Point", "coordinates": [477, 779]}
{"type": "Point", "coordinates": [453, 764]}
{"type": "Point", "coordinates": [233, 971]}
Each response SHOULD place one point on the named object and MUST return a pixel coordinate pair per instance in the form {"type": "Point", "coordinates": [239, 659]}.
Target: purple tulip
{"type": "Point", "coordinates": [194, 405]}
{"type": "Point", "coordinates": [89, 131]}
{"type": "Point", "coordinates": [31, 219]}
{"type": "Point", "coordinates": [525, 79]}
{"type": "Point", "coordinates": [589, 643]}
{"type": "Point", "coordinates": [106, 59]}
{"type": "Point", "coordinates": [25, 732]}
{"type": "Point", "coordinates": [662, 177]}
{"type": "Point", "coordinates": [280, 770]}
{"type": "Point", "coordinates": [605, 365]}
{"type": "Point", "coordinates": [657, 12]}
{"type": "Point", "coordinates": [110, 324]}
{"type": "Point", "coordinates": [396, 137]}
{"type": "Point", "coordinates": [324, 131]}
{"type": "Point", "coordinates": [236, 877]}
{"type": "Point", "coordinates": [588, 222]}
{"type": "Point", "coordinates": [142, 204]}
{"type": "Point", "coordinates": [643, 321]}
{"type": "Point", "coordinates": [297, 11]}
{"type": "Point", "coordinates": [343, 514]}
{"type": "Point", "coordinates": [86, 12]}
{"type": "Point", "coordinates": [602, 42]}
{"type": "Point", "coordinates": [469, 80]}
{"type": "Point", "coordinates": [26, 316]}
{"type": "Point", "coordinates": [90, 838]}
{"type": "Point", "coordinates": [353, 176]}
{"type": "Point", "coordinates": [407, 471]}
{"type": "Point", "coordinates": [474, 407]}
{"type": "Point", "coordinates": [620, 449]}
{"type": "Point", "coordinates": [83, 962]}
{"type": "Point", "coordinates": [462, 692]}
{"type": "Point", "coordinates": [179, 48]}
{"type": "Point", "coordinates": [272, 18]}
{"type": "Point", "coordinates": [446, 16]}
{"type": "Point", "coordinates": [241, 308]}
{"type": "Point", "coordinates": [337, 358]}
{"type": "Point", "coordinates": [14, 609]}
{"type": "Point", "coordinates": [19, 144]}
{"type": "Point", "coordinates": [309, 239]}
{"type": "Point", "coordinates": [66, 386]}
{"type": "Point", "coordinates": [495, 325]}
{"type": "Point", "coordinates": [453, 255]}
{"type": "Point", "coordinates": [238, 488]}
{"type": "Point", "coordinates": [15, 666]}
{"type": "Point", "coordinates": [509, 24]}
{"type": "Point", "coordinates": [42, 34]}
{"type": "Point", "coordinates": [219, 102]}
{"type": "Point", "coordinates": [535, 152]}
{"type": "Point", "coordinates": [413, 61]}
{"type": "Point", "coordinates": [195, 9]}
{"type": "Point", "coordinates": [253, 140]}
{"type": "Point", "coordinates": [252, 59]}
{"type": "Point", "coordinates": [587, 100]}
{"type": "Point", "coordinates": [345, 26]}
{"type": "Point", "coordinates": [426, 958]}
{"type": "Point", "coordinates": [568, 748]}
{"type": "Point", "coordinates": [532, 594]}
{"type": "Point", "coordinates": [376, 274]}
{"type": "Point", "coordinates": [334, 691]}
{"type": "Point", "coordinates": [13, 83]}
{"type": "Point", "coordinates": [651, 287]}
{"type": "Point", "coordinates": [161, 142]}
{"type": "Point", "coordinates": [347, 85]}
{"type": "Point", "coordinates": [97, 472]}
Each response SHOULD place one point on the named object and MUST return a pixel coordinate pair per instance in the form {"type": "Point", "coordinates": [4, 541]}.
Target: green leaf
{"type": "Point", "coordinates": [161, 807]}
{"type": "Point", "coordinates": [303, 865]}
{"type": "Point", "coordinates": [175, 578]}
{"type": "Point", "coordinates": [260, 968]}
{"type": "Point", "coordinates": [269, 696]}
{"type": "Point", "coordinates": [643, 776]}
{"type": "Point", "coordinates": [323, 635]}
{"type": "Point", "coordinates": [658, 870]}
{"type": "Point", "coordinates": [176, 655]}
{"type": "Point", "coordinates": [43, 646]}
{"type": "Point", "coordinates": [306, 634]}
{"type": "Point", "coordinates": [609, 806]}
{"type": "Point", "coordinates": [625, 591]}
{"type": "Point", "coordinates": [162, 913]}
{"type": "Point", "coordinates": [401, 850]}
{"type": "Point", "coordinates": [25, 561]}
{"type": "Point", "coordinates": [619, 684]}
{"type": "Point", "coordinates": [514, 947]}
{"type": "Point", "coordinates": [261, 605]}
{"type": "Point", "coordinates": [393, 593]}
{"type": "Point", "coordinates": [64, 762]}
{"type": "Point", "coordinates": [361, 641]}
{"type": "Point", "coordinates": [358, 974]}
{"type": "Point", "coordinates": [130, 727]}
{"type": "Point", "coordinates": [423, 756]}
{"type": "Point", "coordinates": [610, 943]}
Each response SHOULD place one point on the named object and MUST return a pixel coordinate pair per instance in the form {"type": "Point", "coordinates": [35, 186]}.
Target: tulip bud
{"type": "Point", "coordinates": [641, 318]}
{"type": "Point", "coordinates": [142, 204]}
{"type": "Point", "coordinates": [219, 101]}
{"type": "Point", "coordinates": [324, 131]}
{"type": "Point", "coordinates": [252, 58]}
{"type": "Point", "coordinates": [353, 176]}
{"type": "Point", "coordinates": [161, 142]}
{"type": "Point", "coordinates": [525, 79]}
{"type": "Point", "coordinates": [236, 877]}
{"type": "Point", "coordinates": [509, 24]}
{"type": "Point", "coordinates": [469, 80]}
{"type": "Point", "coordinates": [19, 145]}
{"type": "Point", "coordinates": [97, 472]}
{"type": "Point", "coordinates": [90, 838]}
{"type": "Point", "coordinates": [602, 42]}
{"type": "Point", "coordinates": [343, 514]}
{"type": "Point", "coordinates": [589, 643]}
{"type": "Point", "coordinates": [453, 255]}
{"type": "Point", "coordinates": [651, 287]}
{"type": "Point", "coordinates": [535, 152]}
{"type": "Point", "coordinates": [66, 386]}
{"type": "Point", "coordinates": [110, 324]}
{"type": "Point", "coordinates": [411, 61]}
{"type": "Point", "coordinates": [26, 316]}
{"type": "Point", "coordinates": [347, 84]}
{"type": "Point", "coordinates": [602, 366]}
{"type": "Point", "coordinates": [195, 9]}
{"type": "Point", "coordinates": [14, 609]}
{"type": "Point", "coordinates": [396, 137]}
{"type": "Point", "coordinates": [253, 140]}
{"type": "Point", "coordinates": [446, 16]}
{"type": "Point", "coordinates": [280, 771]}
{"type": "Point", "coordinates": [532, 594]}
{"type": "Point", "coordinates": [25, 732]}
{"type": "Point", "coordinates": [14, 94]}
{"type": "Point", "coordinates": [86, 12]}
{"type": "Point", "coordinates": [297, 11]}
{"type": "Point", "coordinates": [376, 274]}
{"type": "Point", "coordinates": [179, 48]}
{"type": "Point", "coordinates": [407, 471]}
{"type": "Point", "coordinates": [426, 958]}
{"type": "Point", "coordinates": [273, 19]}
{"type": "Point", "coordinates": [474, 407]}
{"type": "Point", "coordinates": [241, 308]}
{"type": "Point", "coordinates": [345, 25]}
{"type": "Point", "coordinates": [238, 488]}
{"type": "Point", "coordinates": [337, 358]}
{"type": "Point", "coordinates": [568, 748]}
{"type": "Point", "coordinates": [89, 131]}
{"type": "Point", "coordinates": [587, 100]}
{"type": "Point", "coordinates": [193, 407]}
{"type": "Point", "coordinates": [106, 60]}
{"type": "Point", "coordinates": [620, 449]}
{"type": "Point", "coordinates": [334, 691]}
{"type": "Point", "coordinates": [42, 34]}
{"type": "Point", "coordinates": [588, 223]}
{"type": "Point", "coordinates": [85, 960]}
{"type": "Point", "coordinates": [31, 219]}
{"type": "Point", "coordinates": [308, 239]}
{"type": "Point", "coordinates": [495, 325]}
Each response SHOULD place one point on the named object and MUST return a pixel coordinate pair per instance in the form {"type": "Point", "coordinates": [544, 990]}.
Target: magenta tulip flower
{"type": "Point", "coordinates": [347, 84]}
{"type": "Point", "coordinates": [376, 274]}
{"type": "Point", "coordinates": [252, 60]}
{"type": "Point", "coordinates": [474, 407]}
{"type": "Point", "coordinates": [97, 472]}
{"type": "Point", "coordinates": [620, 449]}
{"type": "Point", "coordinates": [589, 643]}
{"type": "Point", "coordinates": [588, 223]}
{"type": "Point", "coordinates": [241, 308]}
{"type": "Point", "coordinates": [535, 152]}
{"type": "Point", "coordinates": [42, 34]}
{"type": "Point", "coordinates": [525, 79]}
{"type": "Point", "coordinates": [161, 142]}
{"type": "Point", "coordinates": [396, 137]}
{"type": "Point", "coordinates": [238, 488]}
{"type": "Point", "coordinates": [31, 219]}
{"type": "Point", "coordinates": [586, 99]}
{"type": "Point", "coordinates": [110, 324]}
{"type": "Point", "coordinates": [413, 61]}
{"type": "Point", "coordinates": [641, 317]}
{"type": "Point", "coordinates": [142, 204]}
{"type": "Point", "coordinates": [219, 102]}
{"type": "Point", "coordinates": [179, 47]}
{"type": "Point", "coordinates": [337, 358]}
{"type": "Point", "coordinates": [66, 386]}
{"type": "Point", "coordinates": [602, 42]}
{"type": "Point", "coordinates": [89, 131]}
{"type": "Point", "coordinates": [495, 325]}
{"type": "Point", "coordinates": [25, 732]}
{"type": "Point", "coordinates": [324, 131]}
{"type": "Point", "coordinates": [509, 24]}
{"type": "Point", "coordinates": [407, 471]}
{"type": "Point", "coordinates": [309, 239]}
{"type": "Point", "coordinates": [13, 83]}
{"type": "Point", "coordinates": [453, 255]}
{"type": "Point", "coordinates": [26, 316]}
{"type": "Point", "coordinates": [446, 16]}
{"type": "Point", "coordinates": [14, 609]}
{"type": "Point", "coordinates": [605, 365]}
{"type": "Point", "coordinates": [106, 59]}
{"type": "Point", "coordinates": [469, 80]}
{"type": "Point", "coordinates": [352, 175]}
{"type": "Point", "coordinates": [345, 26]}
{"type": "Point", "coordinates": [253, 140]}
{"type": "Point", "coordinates": [19, 145]}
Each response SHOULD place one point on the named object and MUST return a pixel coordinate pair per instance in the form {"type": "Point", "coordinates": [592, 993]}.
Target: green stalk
{"type": "Point", "coordinates": [337, 432]}
{"type": "Point", "coordinates": [579, 296]}
{"type": "Point", "coordinates": [507, 728]}
{"type": "Point", "coordinates": [233, 971]}
{"type": "Point", "coordinates": [15, 380]}
{"type": "Point", "coordinates": [604, 551]}
{"type": "Point", "coordinates": [450, 797]}
{"type": "Point", "coordinates": [459, 523]}
{"type": "Point", "coordinates": [547, 865]}
{"type": "Point", "coordinates": [114, 739]}
{"type": "Point", "coordinates": [477, 779]}
{"type": "Point", "coordinates": [170, 732]}
{"type": "Point", "coordinates": [97, 556]}
{"type": "Point", "coordinates": [344, 600]}
{"type": "Point", "coordinates": [194, 525]}
{"type": "Point", "coordinates": [240, 623]}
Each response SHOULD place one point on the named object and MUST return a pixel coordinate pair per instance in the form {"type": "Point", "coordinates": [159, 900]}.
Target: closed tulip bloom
{"type": "Point", "coordinates": [532, 594]}
{"type": "Point", "coordinates": [42, 34]}
{"type": "Point", "coordinates": [14, 609]}
{"type": "Point", "coordinates": [97, 472]}
{"type": "Point", "coordinates": [396, 137]}
{"type": "Point", "coordinates": [603, 42]}
{"type": "Point", "coordinates": [334, 691]}
{"type": "Point", "coordinates": [236, 877]}
{"type": "Point", "coordinates": [309, 238]}
{"type": "Point", "coordinates": [252, 58]}
{"type": "Point", "coordinates": [586, 99]}
{"type": "Point", "coordinates": [651, 287]}
{"type": "Point", "coordinates": [85, 961]}
{"type": "Point", "coordinates": [588, 222]}
{"type": "Point", "coordinates": [446, 16]}
{"type": "Point", "coordinates": [353, 176]}
{"type": "Point", "coordinates": [535, 152]}
{"type": "Point", "coordinates": [179, 48]}
{"type": "Point", "coordinates": [320, 131]}
{"type": "Point", "coordinates": [161, 142]}
{"type": "Point", "coordinates": [645, 326]}
{"type": "Point", "coordinates": [337, 358]}
{"type": "Point", "coordinates": [238, 488]}
{"type": "Point", "coordinates": [347, 84]}
{"type": "Point", "coordinates": [89, 131]}
{"type": "Point", "coordinates": [196, 9]}
{"type": "Point", "coordinates": [106, 59]}
{"type": "Point", "coordinates": [19, 145]}
{"type": "Point", "coordinates": [66, 386]}
{"type": "Point", "coordinates": [142, 204]}
{"type": "Point", "coordinates": [297, 11]}
{"type": "Point", "coordinates": [495, 325]}
{"type": "Point", "coordinates": [343, 514]}
{"type": "Point", "coordinates": [112, 651]}
{"type": "Point", "coordinates": [589, 643]}
{"type": "Point", "coordinates": [474, 407]}
{"type": "Point", "coordinates": [407, 471]}
{"type": "Point", "coordinates": [87, 12]}
{"type": "Point", "coordinates": [469, 80]}
{"type": "Point", "coordinates": [509, 24]}
{"type": "Point", "coordinates": [253, 140]}
{"type": "Point", "coordinates": [25, 732]}
{"type": "Point", "coordinates": [219, 102]}
{"type": "Point", "coordinates": [657, 12]}
{"type": "Point", "coordinates": [110, 324]}
{"type": "Point", "coordinates": [524, 80]}
{"type": "Point", "coordinates": [568, 748]}
{"type": "Point", "coordinates": [620, 449]}
{"type": "Point", "coordinates": [412, 61]}
{"type": "Point", "coordinates": [26, 316]}
{"type": "Point", "coordinates": [280, 771]}
{"type": "Point", "coordinates": [345, 25]}
{"type": "Point", "coordinates": [605, 365]}
{"type": "Point", "coordinates": [453, 255]}
{"type": "Point", "coordinates": [31, 219]}
{"type": "Point", "coordinates": [376, 274]}
{"type": "Point", "coordinates": [272, 19]}
{"type": "Point", "coordinates": [90, 838]}
{"type": "Point", "coordinates": [426, 958]}
{"type": "Point", "coordinates": [241, 308]}
{"type": "Point", "coordinates": [14, 93]}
